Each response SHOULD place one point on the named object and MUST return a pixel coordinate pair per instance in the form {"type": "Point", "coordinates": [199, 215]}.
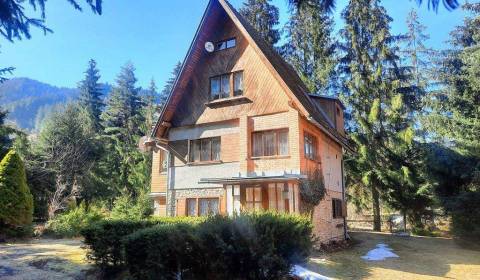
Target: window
{"type": "Point", "coordinates": [206, 149]}
{"type": "Point", "coordinates": [310, 146]}
{"type": "Point", "coordinates": [220, 86]}
{"type": "Point", "coordinates": [191, 207]}
{"type": "Point", "coordinates": [337, 208]}
{"type": "Point", "coordinates": [238, 83]}
{"type": "Point", "coordinates": [163, 161]}
{"type": "Point", "coordinates": [226, 44]}
{"type": "Point", "coordinates": [207, 206]}
{"type": "Point", "coordinates": [270, 143]}
{"type": "Point", "coordinates": [253, 198]}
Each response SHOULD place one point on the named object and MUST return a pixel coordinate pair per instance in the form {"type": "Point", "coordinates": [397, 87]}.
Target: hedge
{"type": "Point", "coordinates": [104, 238]}
{"type": "Point", "coordinates": [247, 246]}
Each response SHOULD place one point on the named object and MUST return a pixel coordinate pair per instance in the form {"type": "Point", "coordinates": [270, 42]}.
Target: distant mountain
{"type": "Point", "coordinates": [29, 101]}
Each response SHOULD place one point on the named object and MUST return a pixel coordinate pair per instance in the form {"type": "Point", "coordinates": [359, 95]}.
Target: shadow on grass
{"type": "Point", "coordinates": [427, 256]}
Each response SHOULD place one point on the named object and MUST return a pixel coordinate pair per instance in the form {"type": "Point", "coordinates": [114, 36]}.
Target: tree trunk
{"type": "Point", "coordinates": [405, 221]}
{"type": "Point", "coordinates": [377, 224]}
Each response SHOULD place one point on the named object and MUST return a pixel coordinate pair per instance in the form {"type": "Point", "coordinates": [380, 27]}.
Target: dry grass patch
{"type": "Point", "coordinates": [419, 258]}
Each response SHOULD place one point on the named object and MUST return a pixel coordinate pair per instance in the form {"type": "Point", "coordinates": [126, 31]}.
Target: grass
{"type": "Point", "coordinates": [419, 258]}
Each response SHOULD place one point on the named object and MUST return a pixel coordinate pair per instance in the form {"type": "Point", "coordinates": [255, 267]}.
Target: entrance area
{"type": "Point", "coordinates": [282, 197]}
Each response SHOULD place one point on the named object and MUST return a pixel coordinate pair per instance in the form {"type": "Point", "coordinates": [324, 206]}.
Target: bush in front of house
{"type": "Point", "coordinates": [71, 222]}
{"type": "Point", "coordinates": [164, 252]}
{"type": "Point", "coordinates": [104, 238]}
{"type": "Point", "coordinates": [247, 246]}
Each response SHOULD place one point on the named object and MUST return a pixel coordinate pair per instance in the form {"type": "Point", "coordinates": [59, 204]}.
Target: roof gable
{"type": "Point", "coordinates": [282, 71]}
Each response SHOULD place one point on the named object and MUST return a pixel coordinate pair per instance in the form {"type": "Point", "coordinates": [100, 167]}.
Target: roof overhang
{"type": "Point", "coordinates": [252, 180]}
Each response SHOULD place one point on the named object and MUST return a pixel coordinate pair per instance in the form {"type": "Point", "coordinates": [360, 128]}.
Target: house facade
{"type": "Point", "coordinates": [240, 131]}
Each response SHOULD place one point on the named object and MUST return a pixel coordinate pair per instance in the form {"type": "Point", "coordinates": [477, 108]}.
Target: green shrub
{"type": "Point", "coordinates": [127, 208]}
{"type": "Point", "coordinates": [70, 223]}
{"type": "Point", "coordinates": [105, 238]}
{"type": "Point", "coordinates": [465, 212]}
{"type": "Point", "coordinates": [163, 252]}
{"type": "Point", "coordinates": [247, 246]}
{"type": "Point", "coordinates": [16, 201]}
{"type": "Point", "coordinates": [254, 245]}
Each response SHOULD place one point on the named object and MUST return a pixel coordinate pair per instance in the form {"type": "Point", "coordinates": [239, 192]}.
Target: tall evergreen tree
{"type": "Point", "coordinates": [169, 84]}
{"type": "Point", "coordinates": [91, 93]}
{"type": "Point", "coordinates": [419, 58]}
{"type": "Point", "coordinates": [123, 120]}
{"type": "Point", "coordinates": [454, 120]}
{"type": "Point", "coordinates": [310, 48]}
{"type": "Point", "coordinates": [263, 16]}
{"type": "Point", "coordinates": [151, 106]}
{"type": "Point", "coordinates": [375, 90]}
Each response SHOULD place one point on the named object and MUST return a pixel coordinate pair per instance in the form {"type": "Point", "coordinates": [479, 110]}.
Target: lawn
{"type": "Point", "coordinates": [419, 258]}
{"type": "Point", "coordinates": [43, 259]}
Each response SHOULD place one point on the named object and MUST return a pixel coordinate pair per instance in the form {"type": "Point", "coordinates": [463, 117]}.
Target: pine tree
{"type": "Point", "coordinates": [91, 93]}
{"type": "Point", "coordinates": [263, 16]}
{"type": "Point", "coordinates": [16, 202]}
{"type": "Point", "coordinates": [310, 48]}
{"type": "Point", "coordinates": [376, 89]}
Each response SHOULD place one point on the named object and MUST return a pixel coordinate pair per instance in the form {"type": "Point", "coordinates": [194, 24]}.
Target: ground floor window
{"type": "Point", "coordinates": [337, 208]}
{"type": "Point", "coordinates": [253, 198]}
{"type": "Point", "coordinates": [202, 206]}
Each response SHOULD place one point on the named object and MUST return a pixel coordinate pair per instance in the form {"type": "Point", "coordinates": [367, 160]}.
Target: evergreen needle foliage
{"type": "Point", "coordinates": [263, 16]}
{"type": "Point", "coordinates": [16, 202]}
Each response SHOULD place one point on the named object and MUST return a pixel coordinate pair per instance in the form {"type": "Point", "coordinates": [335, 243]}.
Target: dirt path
{"type": "Point", "coordinates": [44, 259]}
{"type": "Point", "coordinates": [424, 258]}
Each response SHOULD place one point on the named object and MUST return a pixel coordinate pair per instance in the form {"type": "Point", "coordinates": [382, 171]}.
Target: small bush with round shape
{"type": "Point", "coordinates": [70, 223]}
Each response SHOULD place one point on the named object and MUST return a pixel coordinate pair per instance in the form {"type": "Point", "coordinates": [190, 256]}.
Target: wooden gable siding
{"type": "Point", "coordinates": [158, 180]}
{"type": "Point", "coordinates": [260, 87]}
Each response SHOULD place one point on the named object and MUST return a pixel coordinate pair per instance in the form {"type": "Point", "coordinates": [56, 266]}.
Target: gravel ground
{"type": "Point", "coordinates": [44, 259]}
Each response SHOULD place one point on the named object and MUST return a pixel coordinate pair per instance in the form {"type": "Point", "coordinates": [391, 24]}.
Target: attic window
{"type": "Point", "coordinates": [226, 44]}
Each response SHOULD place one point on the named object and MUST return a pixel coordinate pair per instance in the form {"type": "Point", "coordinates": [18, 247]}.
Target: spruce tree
{"type": "Point", "coordinates": [454, 120]}
{"type": "Point", "coordinates": [123, 120]}
{"type": "Point", "coordinates": [151, 106]}
{"type": "Point", "coordinates": [91, 93]}
{"type": "Point", "coordinates": [263, 16]}
{"type": "Point", "coordinates": [310, 48]}
{"type": "Point", "coordinates": [375, 90]}
{"type": "Point", "coordinates": [419, 59]}
{"type": "Point", "coordinates": [167, 88]}
{"type": "Point", "coordinates": [16, 202]}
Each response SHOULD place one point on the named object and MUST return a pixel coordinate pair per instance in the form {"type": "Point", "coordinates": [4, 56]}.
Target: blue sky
{"type": "Point", "coordinates": [152, 34]}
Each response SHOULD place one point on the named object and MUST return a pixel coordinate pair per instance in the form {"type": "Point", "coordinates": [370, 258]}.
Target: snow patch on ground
{"type": "Point", "coordinates": [306, 274]}
{"type": "Point", "coordinates": [380, 253]}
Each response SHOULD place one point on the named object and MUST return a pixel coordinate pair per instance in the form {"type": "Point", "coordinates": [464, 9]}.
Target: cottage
{"type": "Point", "coordinates": [240, 130]}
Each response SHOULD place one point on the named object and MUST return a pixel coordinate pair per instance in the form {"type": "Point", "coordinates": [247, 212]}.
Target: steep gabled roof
{"type": "Point", "coordinates": [281, 70]}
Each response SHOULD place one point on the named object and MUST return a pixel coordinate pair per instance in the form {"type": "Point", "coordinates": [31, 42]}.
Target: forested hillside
{"type": "Point", "coordinates": [28, 101]}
